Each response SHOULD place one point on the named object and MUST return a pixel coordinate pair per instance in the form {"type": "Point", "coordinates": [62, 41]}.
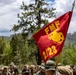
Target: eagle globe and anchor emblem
{"type": "Point", "coordinates": [56, 37]}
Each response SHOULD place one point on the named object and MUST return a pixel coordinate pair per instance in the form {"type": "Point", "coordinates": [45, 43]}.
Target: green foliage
{"type": "Point", "coordinates": [17, 45]}
{"type": "Point", "coordinates": [5, 51]}
{"type": "Point", "coordinates": [69, 55]}
{"type": "Point", "coordinates": [7, 54]}
{"type": "Point", "coordinates": [2, 44]}
{"type": "Point", "coordinates": [22, 50]}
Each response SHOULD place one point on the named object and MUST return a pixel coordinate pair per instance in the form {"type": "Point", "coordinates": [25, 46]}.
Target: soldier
{"type": "Point", "coordinates": [74, 70]}
{"type": "Point", "coordinates": [25, 70]}
{"type": "Point", "coordinates": [50, 69]}
{"type": "Point", "coordinates": [16, 72]}
{"type": "Point", "coordinates": [11, 69]}
{"type": "Point", "coordinates": [41, 71]}
{"type": "Point", "coordinates": [5, 71]}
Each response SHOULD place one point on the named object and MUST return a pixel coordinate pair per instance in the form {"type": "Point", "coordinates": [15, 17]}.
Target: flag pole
{"type": "Point", "coordinates": [73, 5]}
{"type": "Point", "coordinates": [58, 58]}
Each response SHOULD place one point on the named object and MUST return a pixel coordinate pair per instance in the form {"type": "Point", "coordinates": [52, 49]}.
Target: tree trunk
{"type": "Point", "coordinates": [39, 58]}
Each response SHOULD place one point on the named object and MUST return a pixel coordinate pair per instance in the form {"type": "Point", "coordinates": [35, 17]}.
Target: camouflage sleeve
{"type": "Point", "coordinates": [64, 70]}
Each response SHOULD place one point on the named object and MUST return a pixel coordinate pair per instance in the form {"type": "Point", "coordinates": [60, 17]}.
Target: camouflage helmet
{"type": "Point", "coordinates": [50, 65]}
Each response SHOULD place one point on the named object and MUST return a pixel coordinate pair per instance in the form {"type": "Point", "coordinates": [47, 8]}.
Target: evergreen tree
{"type": "Point", "coordinates": [33, 17]}
{"type": "Point", "coordinates": [5, 51]}
{"type": "Point", "coordinates": [69, 54]}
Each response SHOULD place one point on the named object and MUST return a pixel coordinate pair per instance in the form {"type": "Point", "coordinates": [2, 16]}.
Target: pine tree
{"type": "Point", "coordinates": [33, 17]}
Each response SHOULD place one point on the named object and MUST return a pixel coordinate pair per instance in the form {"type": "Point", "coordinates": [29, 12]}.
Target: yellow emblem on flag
{"type": "Point", "coordinates": [56, 37]}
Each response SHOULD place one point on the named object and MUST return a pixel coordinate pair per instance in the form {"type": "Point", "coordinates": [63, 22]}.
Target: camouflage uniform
{"type": "Point", "coordinates": [74, 71]}
{"type": "Point", "coordinates": [60, 70]}
{"type": "Point", "coordinates": [64, 70]}
{"type": "Point", "coordinates": [50, 68]}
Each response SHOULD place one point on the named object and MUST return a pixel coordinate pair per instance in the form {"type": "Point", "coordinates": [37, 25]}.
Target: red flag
{"type": "Point", "coordinates": [50, 39]}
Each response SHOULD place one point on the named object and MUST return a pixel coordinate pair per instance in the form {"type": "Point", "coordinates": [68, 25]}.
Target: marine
{"type": "Point", "coordinates": [51, 69]}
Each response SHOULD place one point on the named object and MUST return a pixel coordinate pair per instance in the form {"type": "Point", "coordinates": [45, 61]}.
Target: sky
{"type": "Point", "coordinates": [10, 8]}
